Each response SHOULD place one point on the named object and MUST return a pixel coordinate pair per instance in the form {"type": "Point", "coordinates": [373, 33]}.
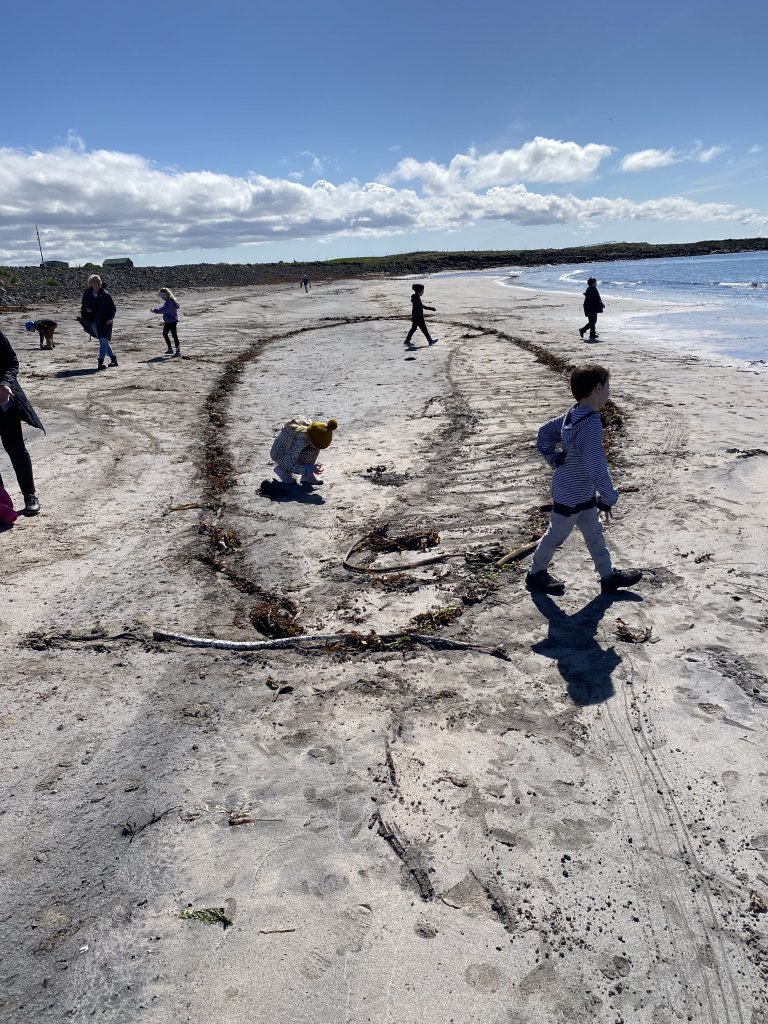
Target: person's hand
{"type": "Point", "coordinates": [607, 515]}
{"type": "Point", "coordinates": [109, 323]}
{"type": "Point", "coordinates": [318, 468]}
{"type": "Point", "coordinates": [5, 393]}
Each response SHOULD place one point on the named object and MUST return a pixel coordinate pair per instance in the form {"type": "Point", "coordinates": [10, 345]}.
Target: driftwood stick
{"type": "Point", "coordinates": [437, 643]}
{"type": "Point", "coordinates": [433, 560]}
{"type": "Point", "coordinates": [517, 553]}
{"type": "Point", "coordinates": [183, 508]}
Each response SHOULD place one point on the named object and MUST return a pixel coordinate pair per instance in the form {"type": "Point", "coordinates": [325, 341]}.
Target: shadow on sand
{"type": "Point", "coordinates": [584, 665]}
{"type": "Point", "coordinates": [285, 492]}
{"type": "Point", "coordinates": [85, 372]}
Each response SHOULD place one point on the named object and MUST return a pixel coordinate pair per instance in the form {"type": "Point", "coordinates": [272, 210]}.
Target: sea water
{"type": "Point", "coordinates": [722, 300]}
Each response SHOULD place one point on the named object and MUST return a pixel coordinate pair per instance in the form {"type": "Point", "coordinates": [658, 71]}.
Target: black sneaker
{"type": "Point", "coordinates": [581, 333]}
{"type": "Point", "coordinates": [31, 505]}
{"type": "Point", "coordinates": [101, 365]}
{"type": "Point", "coordinates": [113, 361]}
{"type": "Point", "coordinates": [543, 583]}
{"type": "Point", "coordinates": [620, 578]}
{"type": "Point", "coordinates": [177, 354]}
{"type": "Point", "coordinates": [169, 351]}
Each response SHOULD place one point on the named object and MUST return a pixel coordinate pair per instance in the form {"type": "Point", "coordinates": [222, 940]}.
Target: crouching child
{"type": "Point", "coordinates": [46, 330]}
{"type": "Point", "coordinates": [582, 488]}
{"type": "Point", "coordinates": [296, 448]}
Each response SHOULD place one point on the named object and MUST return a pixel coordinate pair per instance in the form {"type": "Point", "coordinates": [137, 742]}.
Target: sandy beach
{"type": "Point", "coordinates": [567, 823]}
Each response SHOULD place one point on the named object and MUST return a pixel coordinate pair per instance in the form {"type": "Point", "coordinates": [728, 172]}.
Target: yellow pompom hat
{"type": "Point", "coordinates": [321, 434]}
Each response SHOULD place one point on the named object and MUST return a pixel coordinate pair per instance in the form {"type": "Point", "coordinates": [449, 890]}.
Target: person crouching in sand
{"type": "Point", "coordinates": [46, 329]}
{"type": "Point", "coordinates": [417, 317]}
{"type": "Point", "coordinates": [296, 448]}
{"type": "Point", "coordinates": [582, 487]}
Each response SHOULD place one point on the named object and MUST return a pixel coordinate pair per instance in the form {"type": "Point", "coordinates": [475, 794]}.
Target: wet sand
{"type": "Point", "coordinates": [573, 834]}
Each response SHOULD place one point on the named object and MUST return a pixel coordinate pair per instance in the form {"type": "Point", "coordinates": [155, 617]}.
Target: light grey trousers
{"type": "Point", "coordinates": [561, 527]}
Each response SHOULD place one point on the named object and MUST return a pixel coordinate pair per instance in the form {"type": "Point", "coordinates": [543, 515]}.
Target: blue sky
{"type": "Point", "coordinates": [185, 132]}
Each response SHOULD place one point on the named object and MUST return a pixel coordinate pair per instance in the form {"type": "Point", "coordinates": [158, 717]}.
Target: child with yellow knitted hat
{"type": "Point", "coordinates": [296, 448]}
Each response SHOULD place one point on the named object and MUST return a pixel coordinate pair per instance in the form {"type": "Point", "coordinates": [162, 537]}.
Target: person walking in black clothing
{"type": "Point", "coordinates": [417, 317]}
{"type": "Point", "coordinates": [16, 408]}
{"type": "Point", "coordinates": [98, 309]}
{"type": "Point", "coordinates": [593, 305]}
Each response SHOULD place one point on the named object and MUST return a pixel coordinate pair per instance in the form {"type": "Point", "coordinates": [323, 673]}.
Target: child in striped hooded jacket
{"type": "Point", "coordinates": [582, 488]}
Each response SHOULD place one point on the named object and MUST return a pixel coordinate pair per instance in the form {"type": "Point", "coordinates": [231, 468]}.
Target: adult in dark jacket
{"type": "Point", "coordinates": [98, 309]}
{"type": "Point", "coordinates": [593, 305]}
{"type": "Point", "coordinates": [16, 408]}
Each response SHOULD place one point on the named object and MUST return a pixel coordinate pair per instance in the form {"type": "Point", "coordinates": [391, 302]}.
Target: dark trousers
{"type": "Point", "coordinates": [591, 324]}
{"type": "Point", "coordinates": [420, 325]}
{"type": "Point", "coordinates": [13, 442]}
{"type": "Point", "coordinates": [170, 329]}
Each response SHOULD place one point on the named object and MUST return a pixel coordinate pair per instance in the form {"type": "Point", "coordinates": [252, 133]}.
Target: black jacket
{"type": "Point", "coordinates": [592, 301]}
{"type": "Point", "coordinates": [99, 308]}
{"type": "Point", "coordinates": [9, 369]}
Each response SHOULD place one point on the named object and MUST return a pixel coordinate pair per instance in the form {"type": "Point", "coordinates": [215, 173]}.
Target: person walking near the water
{"type": "Point", "coordinates": [417, 317]}
{"type": "Point", "coordinates": [572, 444]}
{"type": "Point", "coordinates": [46, 329]}
{"type": "Point", "coordinates": [16, 408]}
{"type": "Point", "coordinates": [305, 283]}
{"type": "Point", "coordinates": [169, 310]}
{"type": "Point", "coordinates": [593, 305]}
{"type": "Point", "coordinates": [99, 310]}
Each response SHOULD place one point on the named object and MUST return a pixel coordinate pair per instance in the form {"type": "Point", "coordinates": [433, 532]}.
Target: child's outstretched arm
{"type": "Point", "coordinates": [548, 439]}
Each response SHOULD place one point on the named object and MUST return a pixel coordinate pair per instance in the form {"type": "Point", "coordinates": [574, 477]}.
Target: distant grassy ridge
{"type": "Point", "coordinates": [30, 285]}
{"type": "Point", "coordinates": [433, 262]}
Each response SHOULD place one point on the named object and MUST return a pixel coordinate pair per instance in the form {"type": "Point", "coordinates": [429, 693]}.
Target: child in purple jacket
{"type": "Point", "coordinates": [170, 319]}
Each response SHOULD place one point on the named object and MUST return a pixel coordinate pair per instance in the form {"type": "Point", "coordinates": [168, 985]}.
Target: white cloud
{"type": "Point", "coordinates": [705, 155]}
{"type": "Point", "coordinates": [538, 160]}
{"type": "Point", "coordinates": [95, 204]}
{"type": "Point", "coordinates": [651, 159]}
{"type": "Point", "coordinates": [755, 149]}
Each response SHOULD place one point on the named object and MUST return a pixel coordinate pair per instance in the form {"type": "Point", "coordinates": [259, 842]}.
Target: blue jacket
{"type": "Point", "coordinates": [168, 309]}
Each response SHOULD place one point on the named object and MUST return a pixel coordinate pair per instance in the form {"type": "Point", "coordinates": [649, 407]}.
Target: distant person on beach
{"type": "Point", "coordinates": [45, 328]}
{"type": "Point", "coordinates": [593, 305]}
{"type": "Point", "coordinates": [99, 310]}
{"type": "Point", "coordinates": [296, 448]}
{"type": "Point", "coordinates": [16, 408]}
{"type": "Point", "coordinates": [572, 444]}
{"type": "Point", "coordinates": [417, 317]}
{"type": "Point", "coordinates": [305, 283]}
{"type": "Point", "coordinates": [169, 310]}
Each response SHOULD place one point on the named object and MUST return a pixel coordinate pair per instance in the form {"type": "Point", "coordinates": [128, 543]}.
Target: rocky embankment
{"type": "Point", "coordinates": [23, 286]}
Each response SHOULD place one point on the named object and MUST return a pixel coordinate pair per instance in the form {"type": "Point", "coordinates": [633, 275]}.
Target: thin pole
{"type": "Point", "coordinates": [42, 258]}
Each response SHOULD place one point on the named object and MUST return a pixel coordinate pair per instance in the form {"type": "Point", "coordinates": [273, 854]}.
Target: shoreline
{"type": "Point", "coordinates": [553, 818]}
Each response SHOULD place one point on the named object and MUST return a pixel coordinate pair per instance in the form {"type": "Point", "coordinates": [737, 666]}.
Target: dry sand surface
{"type": "Point", "coordinates": [576, 833]}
